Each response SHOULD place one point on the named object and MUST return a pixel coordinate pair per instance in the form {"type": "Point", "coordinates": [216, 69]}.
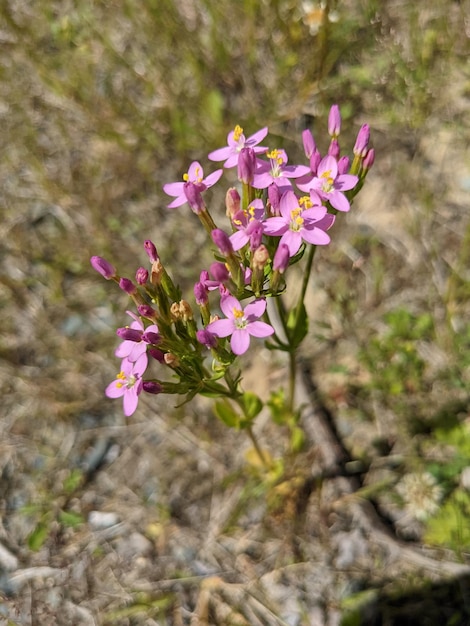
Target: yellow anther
{"type": "Point", "coordinates": [237, 313]}
{"type": "Point", "coordinates": [237, 132]}
{"type": "Point", "coordinates": [274, 154]}
{"type": "Point", "coordinates": [119, 385]}
{"type": "Point", "coordinates": [185, 177]}
{"type": "Point", "coordinates": [306, 202]}
{"type": "Point", "coordinates": [121, 375]}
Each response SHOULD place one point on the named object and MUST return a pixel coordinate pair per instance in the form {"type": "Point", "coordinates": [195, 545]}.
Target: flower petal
{"type": "Point", "coordinates": [240, 341]}
{"type": "Point", "coordinates": [221, 328]}
{"type": "Point", "coordinates": [260, 329]}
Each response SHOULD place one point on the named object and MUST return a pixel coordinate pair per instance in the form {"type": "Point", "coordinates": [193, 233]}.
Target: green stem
{"type": "Point", "coordinates": [257, 448]}
{"type": "Point", "coordinates": [306, 278]}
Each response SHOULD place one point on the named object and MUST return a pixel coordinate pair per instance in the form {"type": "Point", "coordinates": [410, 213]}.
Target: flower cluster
{"type": "Point", "coordinates": [277, 213]}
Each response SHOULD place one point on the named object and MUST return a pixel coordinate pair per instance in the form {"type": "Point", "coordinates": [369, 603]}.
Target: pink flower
{"type": "Point", "coordinates": [300, 220]}
{"type": "Point", "coordinates": [277, 171]}
{"type": "Point", "coordinates": [330, 185]}
{"type": "Point", "coordinates": [134, 350]}
{"type": "Point", "coordinates": [194, 175]}
{"type": "Point", "coordinates": [240, 323]}
{"type": "Point", "coordinates": [247, 223]}
{"type": "Point", "coordinates": [128, 384]}
{"type": "Point", "coordinates": [236, 141]}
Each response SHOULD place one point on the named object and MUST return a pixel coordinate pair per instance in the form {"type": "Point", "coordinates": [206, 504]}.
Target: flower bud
{"type": "Point", "coordinates": [260, 258]}
{"type": "Point", "coordinates": [151, 250]}
{"type": "Point", "coordinates": [151, 386]}
{"type": "Point", "coordinates": [129, 334]}
{"type": "Point", "coordinates": [156, 354]}
{"type": "Point", "coordinates": [149, 336]}
{"type": "Point", "coordinates": [222, 241]}
{"type": "Point", "coordinates": [193, 195]}
{"type": "Point", "coordinates": [274, 197]}
{"type": "Point", "coordinates": [369, 159]}
{"type": "Point", "coordinates": [127, 285]}
{"type": "Point", "coordinates": [171, 360]}
{"type": "Point", "coordinates": [246, 165]}
{"type": "Point", "coordinates": [315, 161]}
{"type": "Point", "coordinates": [232, 202]}
{"type": "Point", "coordinates": [255, 232]}
{"type": "Point", "coordinates": [200, 294]}
{"type": "Point", "coordinates": [333, 149]}
{"type": "Point", "coordinates": [206, 338]}
{"type": "Point", "coordinates": [362, 141]}
{"type": "Point", "coordinates": [103, 267]}
{"type": "Point", "coordinates": [219, 271]}
{"type": "Point", "coordinates": [343, 165]}
{"type": "Point", "coordinates": [309, 143]}
{"type": "Point", "coordinates": [334, 121]}
{"type": "Point", "coordinates": [146, 311]}
{"type": "Point", "coordinates": [141, 276]}
{"type": "Point", "coordinates": [281, 258]}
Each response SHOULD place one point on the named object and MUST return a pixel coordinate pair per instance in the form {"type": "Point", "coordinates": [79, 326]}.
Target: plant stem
{"type": "Point", "coordinates": [257, 448]}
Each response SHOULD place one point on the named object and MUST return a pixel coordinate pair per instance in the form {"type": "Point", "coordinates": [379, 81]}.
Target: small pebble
{"type": "Point", "coordinates": [99, 520]}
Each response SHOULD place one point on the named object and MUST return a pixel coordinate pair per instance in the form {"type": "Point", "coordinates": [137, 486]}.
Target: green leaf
{"type": "Point", "coordinates": [70, 519]}
{"type": "Point", "coordinates": [252, 405]}
{"type": "Point", "coordinates": [225, 412]}
{"type": "Point", "coordinates": [297, 325]}
{"type": "Point", "coordinates": [38, 536]}
{"type": "Point", "coordinates": [73, 481]}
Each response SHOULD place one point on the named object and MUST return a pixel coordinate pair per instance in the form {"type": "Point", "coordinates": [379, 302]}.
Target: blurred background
{"type": "Point", "coordinates": [103, 102]}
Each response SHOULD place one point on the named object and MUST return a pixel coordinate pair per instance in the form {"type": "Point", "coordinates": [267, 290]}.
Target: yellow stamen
{"type": "Point", "coordinates": [121, 375]}
{"type": "Point", "coordinates": [237, 132]}
{"type": "Point", "coordinates": [185, 177]}
{"type": "Point", "coordinates": [306, 202]}
{"type": "Point", "coordinates": [237, 313]}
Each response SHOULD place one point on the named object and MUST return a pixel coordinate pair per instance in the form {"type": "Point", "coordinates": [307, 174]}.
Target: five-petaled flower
{"type": "Point", "coordinates": [128, 383]}
{"type": "Point", "coordinates": [247, 222]}
{"type": "Point", "coordinates": [130, 348]}
{"type": "Point", "coordinates": [236, 141]}
{"type": "Point", "coordinates": [330, 185]}
{"type": "Point", "coordinates": [194, 175]}
{"type": "Point", "coordinates": [240, 323]}
{"type": "Point", "coordinates": [277, 171]}
{"type": "Point", "coordinates": [300, 220]}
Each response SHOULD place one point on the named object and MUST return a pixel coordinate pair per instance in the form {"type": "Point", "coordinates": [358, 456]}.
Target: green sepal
{"type": "Point", "coordinates": [252, 406]}
{"type": "Point", "coordinates": [226, 413]}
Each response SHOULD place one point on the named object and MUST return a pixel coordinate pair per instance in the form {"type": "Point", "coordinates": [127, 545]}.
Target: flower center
{"type": "Point", "coordinates": [197, 176]}
{"type": "Point", "coordinates": [127, 381]}
{"type": "Point", "coordinates": [296, 219]}
{"type": "Point", "coordinates": [239, 318]}
{"type": "Point", "coordinates": [327, 183]}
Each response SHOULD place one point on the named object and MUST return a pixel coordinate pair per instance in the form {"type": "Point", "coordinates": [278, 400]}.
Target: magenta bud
{"type": "Point", "coordinates": [150, 386]}
{"type": "Point", "coordinates": [343, 165]}
{"type": "Point", "coordinates": [151, 250]}
{"type": "Point", "coordinates": [141, 276]}
{"type": "Point", "coordinates": [219, 271]}
{"type": "Point", "coordinates": [193, 195]}
{"type": "Point", "coordinates": [255, 233]}
{"type": "Point", "coordinates": [206, 338]}
{"type": "Point", "coordinates": [274, 196]}
{"type": "Point", "coordinates": [200, 294]}
{"type": "Point", "coordinates": [222, 241]}
{"type": "Point", "coordinates": [156, 354]}
{"type": "Point", "coordinates": [129, 334]}
{"type": "Point", "coordinates": [103, 267]}
{"type": "Point", "coordinates": [127, 285]}
{"type": "Point", "coordinates": [281, 258]}
{"type": "Point", "coordinates": [149, 336]}
{"type": "Point", "coordinates": [246, 165]}
{"type": "Point", "coordinates": [315, 161]}
{"type": "Point", "coordinates": [333, 149]}
{"type": "Point", "coordinates": [369, 159]}
{"type": "Point", "coordinates": [362, 141]}
{"type": "Point", "coordinates": [309, 143]}
{"type": "Point", "coordinates": [146, 311]}
{"type": "Point", "coordinates": [334, 121]}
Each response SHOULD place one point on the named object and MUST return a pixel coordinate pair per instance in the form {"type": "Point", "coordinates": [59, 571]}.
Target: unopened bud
{"type": "Point", "coordinates": [343, 165]}
{"type": "Point", "coordinates": [255, 232]}
{"type": "Point", "coordinates": [129, 334]}
{"type": "Point", "coordinates": [334, 149]}
{"type": "Point", "coordinates": [222, 241]}
{"type": "Point", "coordinates": [200, 294]}
{"type": "Point", "coordinates": [150, 336]}
{"type": "Point", "coordinates": [146, 311]}
{"type": "Point", "coordinates": [194, 197]}
{"type": "Point", "coordinates": [232, 202]}
{"type": "Point", "coordinates": [103, 267]}
{"type": "Point", "coordinates": [246, 165]}
{"type": "Point", "coordinates": [219, 271]}
{"type": "Point", "coordinates": [362, 141]}
{"type": "Point", "coordinates": [151, 386]}
{"type": "Point", "coordinates": [334, 121]}
{"type": "Point", "coordinates": [274, 197]}
{"type": "Point", "coordinates": [127, 285]}
{"type": "Point", "coordinates": [309, 143]}
{"type": "Point", "coordinates": [281, 258]}
{"type": "Point", "coordinates": [141, 276]}
{"type": "Point", "coordinates": [151, 250]}
{"type": "Point", "coordinates": [206, 338]}
{"type": "Point", "coordinates": [369, 159]}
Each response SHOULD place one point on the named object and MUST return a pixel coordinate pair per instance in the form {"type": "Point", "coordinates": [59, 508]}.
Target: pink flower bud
{"type": "Point", "coordinates": [315, 161]}
{"type": "Point", "coordinates": [151, 250]}
{"type": "Point", "coordinates": [146, 311]}
{"type": "Point", "coordinates": [150, 336]}
{"type": "Point", "coordinates": [150, 386]}
{"type": "Point", "coordinates": [362, 141]}
{"type": "Point", "coordinates": [129, 334]}
{"type": "Point", "coordinates": [333, 149]}
{"type": "Point", "coordinates": [127, 285]}
{"type": "Point", "coordinates": [200, 294]}
{"type": "Point", "coordinates": [246, 165]}
{"type": "Point", "coordinates": [274, 196]}
{"type": "Point", "coordinates": [281, 258]}
{"type": "Point", "coordinates": [343, 165]}
{"type": "Point", "coordinates": [206, 338]}
{"type": "Point", "coordinates": [334, 121]}
{"type": "Point", "coordinates": [369, 159]}
{"type": "Point", "coordinates": [156, 354]}
{"type": "Point", "coordinates": [103, 267]}
{"type": "Point", "coordinates": [194, 197]}
{"type": "Point", "coordinates": [222, 241]}
{"type": "Point", "coordinates": [219, 271]}
{"type": "Point", "coordinates": [232, 202]}
{"type": "Point", "coordinates": [309, 143]}
{"type": "Point", "coordinates": [141, 276]}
